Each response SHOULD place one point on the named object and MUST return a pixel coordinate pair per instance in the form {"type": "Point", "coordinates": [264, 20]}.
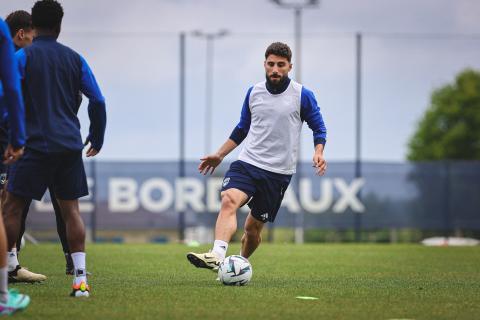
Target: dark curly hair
{"type": "Point", "coordinates": [18, 20]}
{"type": "Point", "coordinates": [47, 15]}
{"type": "Point", "coordinates": [279, 49]}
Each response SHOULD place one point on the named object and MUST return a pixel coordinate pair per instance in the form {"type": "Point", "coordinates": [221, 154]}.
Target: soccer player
{"type": "Point", "coordinates": [271, 121]}
{"type": "Point", "coordinates": [11, 96]}
{"type": "Point", "coordinates": [22, 32]}
{"type": "Point", "coordinates": [53, 74]}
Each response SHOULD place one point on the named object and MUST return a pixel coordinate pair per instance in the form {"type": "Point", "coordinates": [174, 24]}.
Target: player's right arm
{"type": "Point", "coordinates": [210, 162]}
{"type": "Point", "coordinates": [12, 95]}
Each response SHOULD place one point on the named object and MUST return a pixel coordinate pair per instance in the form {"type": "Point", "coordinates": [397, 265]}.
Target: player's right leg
{"type": "Point", "coordinates": [70, 184]}
{"type": "Point", "coordinates": [232, 200]}
{"type": "Point", "coordinates": [76, 240]}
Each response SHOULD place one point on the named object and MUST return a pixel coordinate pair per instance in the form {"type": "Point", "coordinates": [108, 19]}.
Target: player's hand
{"type": "Point", "coordinates": [319, 163]}
{"type": "Point", "coordinates": [209, 163]}
{"type": "Point", "coordinates": [91, 152]}
{"type": "Point", "coordinates": [11, 154]}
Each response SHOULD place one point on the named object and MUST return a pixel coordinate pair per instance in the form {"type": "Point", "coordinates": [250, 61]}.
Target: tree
{"type": "Point", "coordinates": [450, 128]}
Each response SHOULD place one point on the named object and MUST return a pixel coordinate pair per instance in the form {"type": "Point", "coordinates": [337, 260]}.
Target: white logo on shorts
{"type": "Point", "coordinates": [264, 216]}
{"type": "Point", "coordinates": [3, 178]}
{"type": "Point", "coordinates": [226, 181]}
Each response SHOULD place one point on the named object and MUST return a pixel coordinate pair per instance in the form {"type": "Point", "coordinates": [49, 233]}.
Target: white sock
{"type": "Point", "coordinates": [12, 260]}
{"type": "Point", "coordinates": [220, 248]}
{"type": "Point", "coordinates": [79, 265]}
{"type": "Point", "coordinates": [3, 284]}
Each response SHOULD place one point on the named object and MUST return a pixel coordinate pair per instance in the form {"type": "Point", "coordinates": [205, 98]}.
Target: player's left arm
{"type": "Point", "coordinates": [96, 110]}
{"type": "Point", "coordinates": [310, 112]}
{"type": "Point", "coordinates": [12, 97]}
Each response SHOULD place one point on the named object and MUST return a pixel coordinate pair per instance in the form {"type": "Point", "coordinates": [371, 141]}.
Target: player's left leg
{"type": "Point", "coordinates": [62, 233]}
{"type": "Point", "coordinates": [27, 180]}
{"type": "Point", "coordinates": [252, 236]}
{"type": "Point", "coordinates": [264, 208]}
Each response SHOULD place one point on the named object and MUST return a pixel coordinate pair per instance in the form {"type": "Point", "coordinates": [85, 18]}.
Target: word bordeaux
{"type": "Point", "coordinates": [127, 195]}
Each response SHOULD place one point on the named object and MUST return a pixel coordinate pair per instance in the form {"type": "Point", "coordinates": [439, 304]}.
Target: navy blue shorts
{"type": "Point", "coordinates": [265, 189]}
{"type": "Point", "coordinates": [31, 175]}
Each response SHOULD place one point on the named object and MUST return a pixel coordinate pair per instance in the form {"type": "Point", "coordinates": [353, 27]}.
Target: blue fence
{"type": "Point", "coordinates": [140, 196]}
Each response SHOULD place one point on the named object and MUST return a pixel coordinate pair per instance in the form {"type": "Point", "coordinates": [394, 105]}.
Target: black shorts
{"type": "Point", "coordinates": [264, 188]}
{"type": "Point", "coordinates": [31, 175]}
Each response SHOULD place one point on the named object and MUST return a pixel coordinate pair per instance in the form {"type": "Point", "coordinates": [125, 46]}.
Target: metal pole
{"type": "Point", "coordinates": [447, 218]}
{"type": "Point", "coordinates": [181, 167]}
{"type": "Point", "coordinates": [300, 218]}
{"type": "Point", "coordinates": [209, 94]}
{"type": "Point", "coordinates": [298, 44]}
{"type": "Point", "coordinates": [358, 122]}
{"type": "Point", "coordinates": [93, 216]}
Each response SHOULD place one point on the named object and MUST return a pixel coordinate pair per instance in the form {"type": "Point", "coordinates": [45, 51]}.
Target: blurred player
{"type": "Point", "coordinates": [271, 120]}
{"type": "Point", "coordinates": [10, 94]}
{"type": "Point", "coordinates": [22, 32]}
{"type": "Point", "coordinates": [53, 74]}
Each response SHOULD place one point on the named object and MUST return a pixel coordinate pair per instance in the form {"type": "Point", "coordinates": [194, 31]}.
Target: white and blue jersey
{"type": "Point", "coordinates": [272, 123]}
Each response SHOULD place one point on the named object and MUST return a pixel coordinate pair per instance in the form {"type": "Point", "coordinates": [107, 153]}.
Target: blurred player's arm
{"type": "Point", "coordinates": [12, 97]}
{"type": "Point", "coordinates": [96, 110]}
{"type": "Point", "coordinates": [210, 162]}
{"type": "Point", "coordinates": [310, 112]}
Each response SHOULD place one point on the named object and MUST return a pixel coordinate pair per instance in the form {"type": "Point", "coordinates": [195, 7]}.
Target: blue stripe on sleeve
{"type": "Point", "coordinates": [89, 86]}
{"type": "Point", "coordinates": [96, 106]}
{"type": "Point", "coordinates": [310, 112]}
{"type": "Point", "coordinates": [21, 62]}
{"type": "Point", "coordinates": [241, 130]}
{"type": "Point", "coordinates": [11, 88]}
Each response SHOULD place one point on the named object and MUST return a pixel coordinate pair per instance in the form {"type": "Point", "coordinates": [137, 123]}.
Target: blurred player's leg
{"type": "Point", "coordinates": [22, 225]}
{"type": "Point", "coordinates": [62, 234]}
{"type": "Point", "coordinates": [252, 236]}
{"type": "Point", "coordinates": [13, 210]}
{"type": "Point", "coordinates": [17, 273]}
{"type": "Point", "coordinates": [10, 300]}
{"type": "Point", "coordinates": [232, 200]}
{"type": "Point", "coordinates": [76, 242]}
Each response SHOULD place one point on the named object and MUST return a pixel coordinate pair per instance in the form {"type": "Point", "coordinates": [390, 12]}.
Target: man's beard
{"type": "Point", "coordinates": [277, 82]}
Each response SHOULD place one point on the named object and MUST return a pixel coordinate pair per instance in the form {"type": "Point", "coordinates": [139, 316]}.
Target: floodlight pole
{"type": "Point", "coordinates": [181, 165]}
{"type": "Point", "coordinates": [210, 38]}
{"type": "Point", "coordinates": [358, 127]}
{"type": "Point", "coordinates": [298, 8]}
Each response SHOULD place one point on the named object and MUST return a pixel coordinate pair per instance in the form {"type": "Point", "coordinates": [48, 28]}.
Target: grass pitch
{"type": "Point", "coordinates": [350, 282]}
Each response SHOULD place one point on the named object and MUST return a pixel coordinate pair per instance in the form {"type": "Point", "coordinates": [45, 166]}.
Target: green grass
{"type": "Point", "coordinates": [351, 282]}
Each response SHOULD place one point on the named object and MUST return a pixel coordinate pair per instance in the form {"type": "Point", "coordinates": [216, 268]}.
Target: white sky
{"type": "Point", "coordinates": [132, 47]}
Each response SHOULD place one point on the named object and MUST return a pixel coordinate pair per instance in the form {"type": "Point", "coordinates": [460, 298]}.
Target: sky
{"type": "Point", "coordinates": [410, 48]}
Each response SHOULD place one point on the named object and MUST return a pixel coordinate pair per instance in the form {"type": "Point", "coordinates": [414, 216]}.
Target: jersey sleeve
{"type": "Point", "coordinates": [240, 132]}
{"type": "Point", "coordinates": [96, 106]}
{"type": "Point", "coordinates": [310, 112]}
{"type": "Point", "coordinates": [11, 89]}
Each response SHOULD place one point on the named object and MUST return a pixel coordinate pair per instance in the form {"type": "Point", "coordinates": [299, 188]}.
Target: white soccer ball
{"type": "Point", "coordinates": [235, 271]}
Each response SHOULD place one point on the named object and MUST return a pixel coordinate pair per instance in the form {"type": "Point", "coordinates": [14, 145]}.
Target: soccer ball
{"type": "Point", "coordinates": [235, 271]}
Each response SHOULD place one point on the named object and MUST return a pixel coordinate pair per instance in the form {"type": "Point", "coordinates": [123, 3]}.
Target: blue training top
{"type": "Point", "coordinates": [11, 102]}
{"type": "Point", "coordinates": [53, 75]}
